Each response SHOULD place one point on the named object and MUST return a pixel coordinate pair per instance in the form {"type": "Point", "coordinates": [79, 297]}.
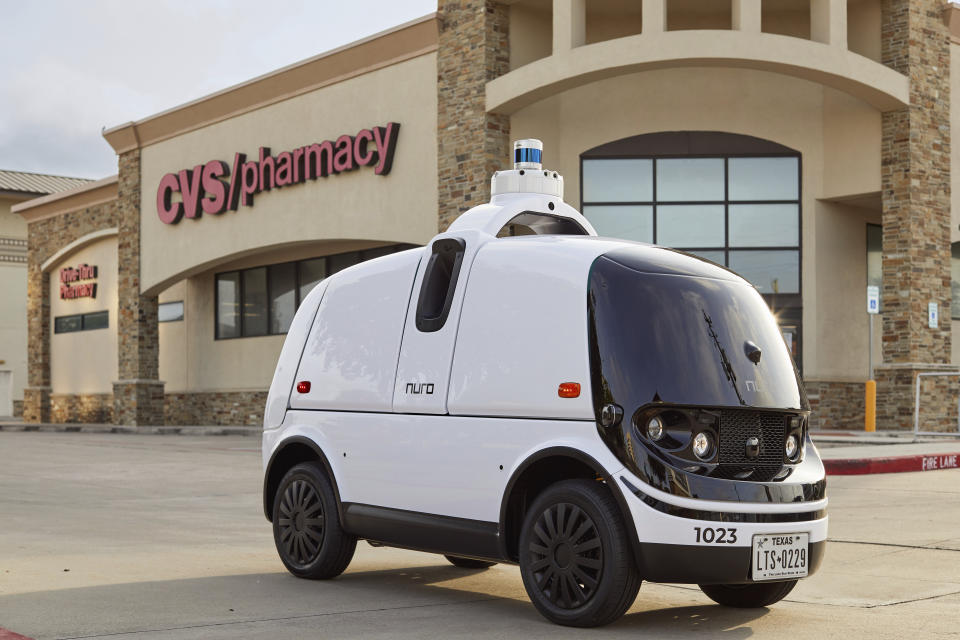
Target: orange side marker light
{"type": "Point", "coordinates": [569, 390]}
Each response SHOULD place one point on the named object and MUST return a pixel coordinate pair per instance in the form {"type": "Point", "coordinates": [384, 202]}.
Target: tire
{"type": "Point", "coordinates": [469, 563]}
{"type": "Point", "coordinates": [575, 556]}
{"type": "Point", "coordinates": [748, 596]}
{"type": "Point", "coordinates": [306, 525]}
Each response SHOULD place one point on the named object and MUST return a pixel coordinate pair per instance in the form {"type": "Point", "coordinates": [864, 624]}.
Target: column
{"type": "Point", "coordinates": [746, 15]}
{"type": "Point", "coordinates": [915, 183]}
{"type": "Point", "coordinates": [36, 396]}
{"type": "Point", "coordinates": [473, 49]}
{"type": "Point", "coordinates": [828, 22]}
{"type": "Point", "coordinates": [569, 24]}
{"type": "Point", "coordinates": [654, 16]}
{"type": "Point", "coordinates": [138, 394]}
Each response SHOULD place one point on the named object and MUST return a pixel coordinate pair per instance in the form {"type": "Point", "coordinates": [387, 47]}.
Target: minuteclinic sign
{"type": "Point", "coordinates": [214, 187]}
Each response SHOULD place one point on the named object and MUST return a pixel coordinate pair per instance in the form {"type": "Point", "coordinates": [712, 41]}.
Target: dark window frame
{"type": "Point", "coordinates": [360, 255]}
{"type": "Point", "coordinates": [792, 302]}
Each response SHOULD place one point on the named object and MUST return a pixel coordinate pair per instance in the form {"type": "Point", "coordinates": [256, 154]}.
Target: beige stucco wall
{"type": "Point", "coordinates": [13, 310]}
{"type": "Point", "coordinates": [796, 113]}
{"type": "Point", "coordinates": [85, 361]}
{"type": "Point", "coordinates": [531, 33]}
{"type": "Point", "coordinates": [13, 327]}
{"type": "Point", "coordinates": [955, 148]}
{"type": "Point", "coordinates": [842, 329]}
{"type": "Point", "coordinates": [863, 28]}
{"type": "Point", "coordinates": [11, 224]}
{"type": "Point", "coordinates": [174, 352]}
{"type": "Point", "coordinates": [400, 207]}
{"type": "Point", "coordinates": [955, 177]}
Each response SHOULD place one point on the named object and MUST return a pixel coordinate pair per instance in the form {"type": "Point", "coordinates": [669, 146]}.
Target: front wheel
{"type": "Point", "coordinates": [748, 596]}
{"type": "Point", "coordinates": [306, 525]}
{"type": "Point", "coordinates": [575, 556]}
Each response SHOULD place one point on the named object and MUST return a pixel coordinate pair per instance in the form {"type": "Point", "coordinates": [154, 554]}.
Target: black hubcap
{"type": "Point", "coordinates": [301, 522]}
{"type": "Point", "coordinates": [566, 555]}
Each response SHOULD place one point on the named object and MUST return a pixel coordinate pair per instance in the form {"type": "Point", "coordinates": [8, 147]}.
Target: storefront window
{"type": "Point", "coordinates": [633, 222]}
{"type": "Point", "coordinates": [81, 322]}
{"type": "Point", "coordinates": [228, 305]}
{"type": "Point", "coordinates": [269, 296]}
{"type": "Point", "coordinates": [731, 199]}
{"type": "Point", "coordinates": [311, 273]}
{"type": "Point", "coordinates": [690, 179]}
{"type": "Point", "coordinates": [690, 225]}
{"type": "Point", "coordinates": [618, 181]}
{"type": "Point", "coordinates": [170, 311]}
{"type": "Point", "coordinates": [283, 296]}
{"type": "Point", "coordinates": [764, 225]}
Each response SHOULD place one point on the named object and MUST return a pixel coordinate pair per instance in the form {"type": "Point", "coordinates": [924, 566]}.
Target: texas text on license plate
{"type": "Point", "coordinates": [780, 556]}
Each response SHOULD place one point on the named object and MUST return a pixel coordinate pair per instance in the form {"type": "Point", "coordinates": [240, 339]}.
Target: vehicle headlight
{"type": "Point", "coordinates": [792, 447]}
{"type": "Point", "coordinates": [655, 428]}
{"type": "Point", "coordinates": [703, 445]}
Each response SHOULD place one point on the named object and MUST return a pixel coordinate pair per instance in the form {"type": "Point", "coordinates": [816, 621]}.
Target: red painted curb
{"type": "Point", "coordinates": [6, 634]}
{"type": "Point", "coordinates": [898, 464]}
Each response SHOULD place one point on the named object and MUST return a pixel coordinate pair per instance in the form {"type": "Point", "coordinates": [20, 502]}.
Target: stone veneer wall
{"type": "Point", "coordinates": [138, 395]}
{"type": "Point", "coordinates": [915, 189]}
{"type": "Point", "coordinates": [939, 404]}
{"type": "Point", "coordinates": [215, 408]}
{"type": "Point", "coordinates": [94, 408]}
{"type": "Point", "coordinates": [17, 408]}
{"type": "Point", "coordinates": [836, 404]}
{"type": "Point", "coordinates": [473, 49]}
{"type": "Point", "coordinates": [46, 237]}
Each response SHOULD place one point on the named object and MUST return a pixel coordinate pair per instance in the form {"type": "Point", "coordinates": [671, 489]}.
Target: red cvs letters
{"type": "Point", "coordinates": [214, 187]}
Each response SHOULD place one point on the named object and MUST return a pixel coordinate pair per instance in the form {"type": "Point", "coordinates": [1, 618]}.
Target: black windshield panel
{"type": "Point", "coordinates": [685, 340]}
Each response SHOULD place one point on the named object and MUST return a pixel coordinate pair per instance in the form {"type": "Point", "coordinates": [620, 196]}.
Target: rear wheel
{"type": "Point", "coordinates": [306, 525]}
{"type": "Point", "coordinates": [748, 596]}
{"type": "Point", "coordinates": [575, 556]}
{"type": "Point", "coordinates": [469, 563]}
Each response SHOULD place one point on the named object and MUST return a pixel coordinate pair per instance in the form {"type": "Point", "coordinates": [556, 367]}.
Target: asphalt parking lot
{"type": "Point", "coordinates": [139, 536]}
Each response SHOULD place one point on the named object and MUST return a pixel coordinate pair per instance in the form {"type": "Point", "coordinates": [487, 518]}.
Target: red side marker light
{"type": "Point", "coordinates": [303, 386]}
{"type": "Point", "coordinates": [569, 390]}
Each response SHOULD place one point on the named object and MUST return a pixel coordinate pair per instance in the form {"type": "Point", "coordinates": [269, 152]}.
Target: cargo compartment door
{"type": "Point", "coordinates": [430, 331]}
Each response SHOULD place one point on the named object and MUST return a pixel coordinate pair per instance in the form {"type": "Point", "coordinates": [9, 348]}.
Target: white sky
{"type": "Point", "coordinates": [69, 69]}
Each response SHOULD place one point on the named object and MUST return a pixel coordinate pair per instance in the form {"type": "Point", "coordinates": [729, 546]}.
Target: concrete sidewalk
{"type": "Point", "coordinates": [843, 452]}
{"type": "Point", "coordinates": [854, 453]}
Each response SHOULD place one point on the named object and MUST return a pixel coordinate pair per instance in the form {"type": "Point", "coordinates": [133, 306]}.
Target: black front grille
{"type": "Point", "coordinates": [737, 425]}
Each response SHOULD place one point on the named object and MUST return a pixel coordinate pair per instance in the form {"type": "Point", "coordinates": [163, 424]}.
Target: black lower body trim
{"type": "Point", "coordinates": [706, 564]}
{"type": "Point", "coordinates": [424, 531]}
{"type": "Point", "coordinates": [721, 516]}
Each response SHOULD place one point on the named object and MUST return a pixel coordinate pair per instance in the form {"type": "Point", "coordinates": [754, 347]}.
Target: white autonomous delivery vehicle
{"type": "Point", "coordinates": [599, 412]}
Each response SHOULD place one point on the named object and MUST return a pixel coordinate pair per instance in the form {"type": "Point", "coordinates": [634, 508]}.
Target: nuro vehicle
{"type": "Point", "coordinates": [597, 411]}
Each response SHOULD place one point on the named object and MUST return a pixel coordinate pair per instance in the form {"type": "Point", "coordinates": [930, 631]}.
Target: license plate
{"type": "Point", "coordinates": [780, 556]}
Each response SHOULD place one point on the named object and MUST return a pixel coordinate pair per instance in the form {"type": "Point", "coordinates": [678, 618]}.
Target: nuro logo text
{"type": "Point", "coordinates": [208, 188]}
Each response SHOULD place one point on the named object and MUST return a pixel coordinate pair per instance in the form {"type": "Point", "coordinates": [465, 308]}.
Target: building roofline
{"type": "Point", "coordinates": [398, 44]}
{"type": "Point", "coordinates": [81, 197]}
